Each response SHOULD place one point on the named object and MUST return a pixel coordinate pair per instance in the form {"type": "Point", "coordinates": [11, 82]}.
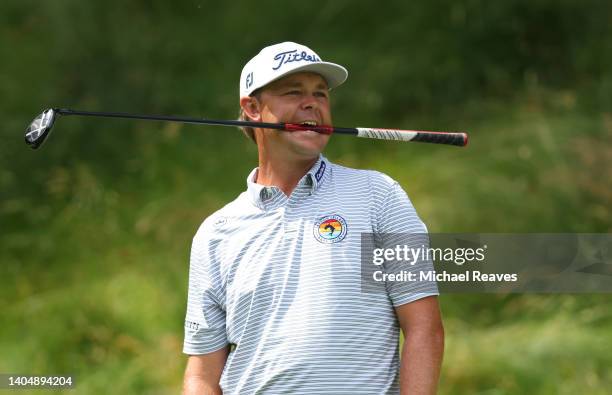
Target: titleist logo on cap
{"type": "Point", "coordinates": [293, 56]}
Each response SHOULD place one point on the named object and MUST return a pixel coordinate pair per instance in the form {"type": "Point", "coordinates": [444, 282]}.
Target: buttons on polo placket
{"type": "Point", "coordinates": [313, 186]}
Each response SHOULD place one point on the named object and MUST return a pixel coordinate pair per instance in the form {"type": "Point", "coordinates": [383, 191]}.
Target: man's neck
{"type": "Point", "coordinates": [283, 173]}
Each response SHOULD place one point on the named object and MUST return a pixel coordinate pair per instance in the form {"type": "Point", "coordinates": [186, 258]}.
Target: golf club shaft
{"type": "Point", "coordinates": [451, 138]}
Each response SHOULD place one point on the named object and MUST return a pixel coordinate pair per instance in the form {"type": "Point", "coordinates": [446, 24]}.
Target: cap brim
{"type": "Point", "coordinates": [334, 74]}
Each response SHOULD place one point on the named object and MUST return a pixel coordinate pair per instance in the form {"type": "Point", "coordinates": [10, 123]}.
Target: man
{"type": "Point", "coordinates": [277, 273]}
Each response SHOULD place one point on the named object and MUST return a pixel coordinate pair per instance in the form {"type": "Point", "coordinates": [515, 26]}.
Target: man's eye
{"type": "Point", "coordinates": [321, 94]}
{"type": "Point", "coordinates": [293, 93]}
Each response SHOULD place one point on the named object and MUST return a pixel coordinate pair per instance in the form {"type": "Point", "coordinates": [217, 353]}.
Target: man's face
{"type": "Point", "coordinates": [296, 98]}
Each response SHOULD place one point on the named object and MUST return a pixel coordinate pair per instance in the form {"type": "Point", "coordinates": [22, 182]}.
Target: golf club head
{"type": "Point", "coordinates": [40, 128]}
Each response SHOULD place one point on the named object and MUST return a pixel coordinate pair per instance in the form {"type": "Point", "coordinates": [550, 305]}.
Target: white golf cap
{"type": "Point", "coordinates": [279, 60]}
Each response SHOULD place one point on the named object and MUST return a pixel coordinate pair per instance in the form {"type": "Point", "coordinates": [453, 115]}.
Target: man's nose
{"type": "Point", "coordinates": [309, 102]}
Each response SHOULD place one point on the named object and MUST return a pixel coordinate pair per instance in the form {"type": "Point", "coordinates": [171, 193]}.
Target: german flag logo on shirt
{"type": "Point", "coordinates": [330, 229]}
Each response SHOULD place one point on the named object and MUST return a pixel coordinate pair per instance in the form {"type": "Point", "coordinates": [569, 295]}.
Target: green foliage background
{"type": "Point", "coordinates": [95, 228]}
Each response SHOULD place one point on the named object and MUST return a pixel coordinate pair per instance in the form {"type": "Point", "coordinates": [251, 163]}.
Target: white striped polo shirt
{"type": "Point", "coordinates": [279, 277]}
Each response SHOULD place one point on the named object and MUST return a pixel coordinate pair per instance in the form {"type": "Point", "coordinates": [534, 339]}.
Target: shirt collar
{"type": "Point", "coordinates": [260, 194]}
{"type": "Point", "coordinates": [255, 190]}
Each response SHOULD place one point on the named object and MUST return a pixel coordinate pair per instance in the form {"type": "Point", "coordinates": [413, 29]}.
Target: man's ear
{"type": "Point", "coordinates": [251, 108]}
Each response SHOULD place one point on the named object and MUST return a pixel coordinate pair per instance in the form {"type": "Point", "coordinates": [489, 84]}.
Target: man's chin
{"type": "Point", "coordinates": [309, 141]}
{"type": "Point", "coordinates": [308, 150]}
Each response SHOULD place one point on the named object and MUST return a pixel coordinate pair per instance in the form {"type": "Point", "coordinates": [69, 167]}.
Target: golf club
{"type": "Point", "coordinates": [41, 126]}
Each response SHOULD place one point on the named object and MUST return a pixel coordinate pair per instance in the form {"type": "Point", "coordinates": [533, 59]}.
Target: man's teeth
{"type": "Point", "coordinates": [309, 123]}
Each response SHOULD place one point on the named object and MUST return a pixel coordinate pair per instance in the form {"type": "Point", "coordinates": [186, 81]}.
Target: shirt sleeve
{"type": "Point", "coordinates": [398, 225]}
{"type": "Point", "coordinates": [205, 319]}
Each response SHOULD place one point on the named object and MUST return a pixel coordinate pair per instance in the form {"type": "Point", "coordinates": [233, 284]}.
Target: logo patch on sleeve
{"type": "Point", "coordinates": [330, 229]}
{"type": "Point", "coordinates": [219, 222]}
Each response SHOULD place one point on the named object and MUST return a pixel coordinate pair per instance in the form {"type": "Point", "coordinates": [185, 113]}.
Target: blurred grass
{"type": "Point", "coordinates": [562, 354]}
{"type": "Point", "coordinates": [95, 228]}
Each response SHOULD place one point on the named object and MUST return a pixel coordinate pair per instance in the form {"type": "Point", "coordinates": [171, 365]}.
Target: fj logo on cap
{"type": "Point", "coordinates": [293, 56]}
{"type": "Point", "coordinates": [330, 229]}
{"type": "Point", "coordinates": [249, 80]}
